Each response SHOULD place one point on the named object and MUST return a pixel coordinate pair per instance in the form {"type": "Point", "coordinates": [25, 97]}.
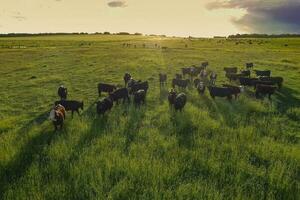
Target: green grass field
{"type": "Point", "coordinates": [214, 149]}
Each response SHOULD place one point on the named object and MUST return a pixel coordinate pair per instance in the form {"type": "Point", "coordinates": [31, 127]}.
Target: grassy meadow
{"type": "Point", "coordinates": [214, 149]}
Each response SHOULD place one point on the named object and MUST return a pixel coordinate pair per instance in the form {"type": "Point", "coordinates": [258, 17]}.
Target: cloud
{"type": "Point", "coordinates": [276, 16]}
{"type": "Point", "coordinates": [18, 16]}
{"type": "Point", "coordinates": [117, 3]}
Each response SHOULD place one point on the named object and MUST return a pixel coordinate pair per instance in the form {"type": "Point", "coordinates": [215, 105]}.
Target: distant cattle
{"type": "Point", "coordinates": [265, 90]}
{"type": "Point", "coordinates": [121, 93]}
{"type": "Point", "coordinates": [235, 90]}
{"type": "Point", "coordinates": [246, 73]}
{"type": "Point", "coordinates": [139, 97]}
{"type": "Point", "coordinates": [73, 106]}
{"type": "Point", "coordinates": [104, 105]}
{"type": "Point", "coordinates": [220, 92]}
{"type": "Point", "coordinates": [102, 87]}
{"type": "Point", "coordinates": [180, 101]}
{"type": "Point", "coordinates": [276, 80]}
{"type": "Point", "coordinates": [178, 76]}
{"type": "Point", "coordinates": [259, 82]}
{"type": "Point", "coordinates": [162, 79]}
{"type": "Point", "coordinates": [249, 65]}
{"type": "Point", "coordinates": [201, 87]}
{"type": "Point", "coordinates": [234, 76]}
{"type": "Point", "coordinates": [185, 71]}
{"type": "Point", "coordinates": [57, 116]}
{"type": "Point", "coordinates": [213, 78]}
{"type": "Point", "coordinates": [230, 70]}
{"type": "Point", "coordinates": [126, 78]}
{"type": "Point", "coordinates": [180, 83]}
{"type": "Point", "coordinates": [172, 96]}
{"type": "Point", "coordinates": [245, 81]}
{"type": "Point", "coordinates": [263, 73]}
{"type": "Point", "coordinates": [136, 86]}
{"type": "Point", "coordinates": [62, 92]}
{"type": "Point", "coordinates": [204, 64]}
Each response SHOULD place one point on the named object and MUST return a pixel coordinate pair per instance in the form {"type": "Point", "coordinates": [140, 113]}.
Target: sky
{"type": "Point", "coordinates": [201, 18]}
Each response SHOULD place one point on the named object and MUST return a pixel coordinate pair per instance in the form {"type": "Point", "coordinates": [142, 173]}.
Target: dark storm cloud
{"type": "Point", "coordinates": [117, 3]}
{"type": "Point", "coordinates": [276, 16]}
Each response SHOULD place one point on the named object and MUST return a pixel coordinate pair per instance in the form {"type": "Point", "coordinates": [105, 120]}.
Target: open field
{"type": "Point", "coordinates": [214, 149]}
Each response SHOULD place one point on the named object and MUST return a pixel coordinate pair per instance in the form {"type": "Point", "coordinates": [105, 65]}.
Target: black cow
{"type": "Point", "coordinates": [258, 82]}
{"type": "Point", "coordinates": [105, 105]}
{"type": "Point", "coordinates": [121, 93]}
{"type": "Point", "coordinates": [185, 71]}
{"type": "Point", "coordinates": [230, 70]}
{"type": "Point", "coordinates": [204, 64]}
{"type": "Point", "coordinates": [126, 78]}
{"type": "Point", "coordinates": [235, 90]}
{"type": "Point", "coordinates": [234, 76]}
{"type": "Point", "coordinates": [73, 106]}
{"type": "Point", "coordinates": [162, 79]}
{"type": "Point", "coordinates": [276, 80]}
{"type": "Point", "coordinates": [213, 77]}
{"type": "Point", "coordinates": [136, 86]}
{"type": "Point", "coordinates": [102, 87]}
{"type": "Point", "coordinates": [180, 83]}
{"type": "Point", "coordinates": [180, 101]}
{"type": "Point", "coordinates": [140, 97]}
{"type": "Point", "coordinates": [265, 90]}
{"type": "Point", "coordinates": [249, 65]}
{"type": "Point", "coordinates": [178, 76]}
{"type": "Point", "coordinates": [246, 73]}
{"type": "Point", "coordinates": [172, 96]}
{"type": "Point", "coordinates": [247, 81]}
{"type": "Point", "coordinates": [263, 73]}
{"type": "Point", "coordinates": [62, 92]}
{"type": "Point", "coordinates": [220, 92]}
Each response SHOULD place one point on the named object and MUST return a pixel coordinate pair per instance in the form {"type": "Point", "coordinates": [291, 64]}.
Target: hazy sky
{"type": "Point", "coordinates": [171, 17]}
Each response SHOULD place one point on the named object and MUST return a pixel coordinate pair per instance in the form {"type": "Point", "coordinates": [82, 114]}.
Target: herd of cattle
{"type": "Point", "coordinates": [201, 78]}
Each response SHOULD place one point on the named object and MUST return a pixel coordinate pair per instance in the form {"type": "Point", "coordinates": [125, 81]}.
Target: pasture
{"type": "Point", "coordinates": [214, 149]}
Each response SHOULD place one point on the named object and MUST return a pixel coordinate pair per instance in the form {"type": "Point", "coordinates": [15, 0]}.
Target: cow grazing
{"type": "Point", "coordinates": [249, 65]}
{"type": "Point", "coordinates": [276, 80]}
{"type": "Point", "coordinates": [180, 83]}
{"type": "Point", "coordinates": [172, 96]}
{"type": "Point", "coordinates": [104, 105]}
{"type": "Point", "coordinates": [126, 78]}
{"type": "Point", "coordinates": [201, 88]}
{"type": "Point", "coordinates": [246, 73]}
{"type": "Point", "coordinates": [265, 90]}
{"type": "Point", "coordinates": [178, 76]}
{"type": "Point", "coordinates": [102, 87]}
{"type": "Point", "coordinates": [263, 73]}
{"type": "Point", "coordinates": [136, 86]}
{"type": "Point", "coordinates": [57, 116]}
{"type": "Point", "coordinates": [62, 92]}
{"type": "Point", "coordinates": [120, 94]}
{"type": "Point", "coordinates": [235, 90]}
{"type": "Point", "coordinates": [162, 79]}
{"type": "Point", "coordinates": [180, 101]}
{"type": "Point", "coordinates": [230, 70]}
{"type": "Point", "coordinates": [220, 92]}
{"type": "Point", "coordinates": [73, 106]}
{"type": "Point", "coordinates": [139, 97]}
{"type": "Point", "coordinates": [247, 81]}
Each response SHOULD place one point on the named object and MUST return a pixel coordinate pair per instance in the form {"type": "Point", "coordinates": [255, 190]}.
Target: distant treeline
{"type": "Point", "coordinates": [50, 34]}
{"type": "Point", "coordinates": [264, 36]}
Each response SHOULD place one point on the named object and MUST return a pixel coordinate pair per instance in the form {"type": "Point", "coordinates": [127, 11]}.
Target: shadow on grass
{"type": "Point", "coordinates": [135, 118]}
{"type": "Point", "coordinates": [17, 168]}
{"type": "Point", "coordinates": [286, 99]}
{"type": "Point", "coordinates": [183, 128]}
